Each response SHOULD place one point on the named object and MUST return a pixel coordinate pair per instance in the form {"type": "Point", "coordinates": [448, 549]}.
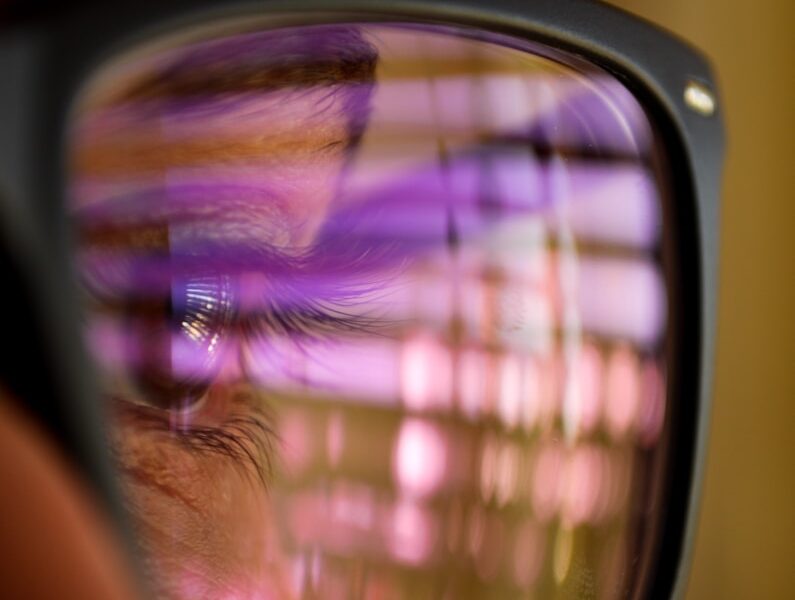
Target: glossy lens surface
{"type": "Point", "coordinates": [381, 311]}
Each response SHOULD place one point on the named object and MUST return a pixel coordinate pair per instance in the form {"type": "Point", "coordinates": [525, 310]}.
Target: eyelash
{"type": "Point", "coordinates": [246, 440]}
{"type": "Point", "coordinates": [314, 320]}
{"type": "Point", "coordinates": [246, 436]}
{"type": "Point", "coordinates": [232, 440]}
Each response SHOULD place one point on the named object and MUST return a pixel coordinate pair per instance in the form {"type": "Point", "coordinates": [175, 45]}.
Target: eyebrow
{"type": "Point", "coordinates": [123, 130]}
{"type": "Point", "coordinates": [261, 61]}
{"type": "Point", "coordinates": [135, 154]}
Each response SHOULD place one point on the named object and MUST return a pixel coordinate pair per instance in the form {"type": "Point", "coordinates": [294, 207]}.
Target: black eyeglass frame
{"type": "Point", "coordinates": [47, 59]}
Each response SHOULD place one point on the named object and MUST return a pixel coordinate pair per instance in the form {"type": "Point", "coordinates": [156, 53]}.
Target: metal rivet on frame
{"type": "Point", "coordinates": [699, 98]}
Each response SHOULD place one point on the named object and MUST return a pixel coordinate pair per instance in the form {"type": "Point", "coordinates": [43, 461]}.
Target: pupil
{"type": "Point", "coordinates": [180, 341]}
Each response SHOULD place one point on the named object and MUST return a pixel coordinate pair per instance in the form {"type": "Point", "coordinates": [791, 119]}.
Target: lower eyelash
{"type": "Point", "coordinates": [249, 440]}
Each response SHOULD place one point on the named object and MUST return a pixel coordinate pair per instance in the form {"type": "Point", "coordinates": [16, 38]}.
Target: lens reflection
{"type": "Point", "coordinates": [380, 313]}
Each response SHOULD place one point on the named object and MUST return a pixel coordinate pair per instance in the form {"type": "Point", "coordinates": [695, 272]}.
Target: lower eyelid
{"type": "Point", "coordinates": [234, 423]}
{"type": "Point", "coordinates": [246, 437]}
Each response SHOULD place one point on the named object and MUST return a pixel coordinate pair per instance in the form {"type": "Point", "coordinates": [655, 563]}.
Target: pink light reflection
{"type": "Point", "coordinates": [511, 390]}
{"type": "Point", "coordinates": [344, 519]}
{"type": "Point", "coordinates": [426, 373]}
{"type": "Point", "coordinates": [617, 204]}
{"type": "Point", "coordinates": [420, 458]}
{"type": "Point", "coordinates": [584, 478]}
{"type": "Point", "coordinates": [353, 507]}
{"type": "Point", "coordinates": [363, 371]}
{"type": "Point", "coordinates": [547, 481]}
{"type": "Point", "coordinates": [623, 391]}
{"type": "Point", "coordinates": [531, 399]}
{"type": "Point", "coordinates": [622, 298]}
{"type": "Point", "coordinates": [472, 389]}
{"type": "Point", "coordinates": [583, 406]}
{"type": "Point", "coordinates": [408, 105]}
{"type": "Point", "coordinates": [412, 533]}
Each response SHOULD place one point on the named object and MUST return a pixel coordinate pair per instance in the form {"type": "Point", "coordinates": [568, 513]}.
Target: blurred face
{"type": "Point", "coordinates": [380, 312]}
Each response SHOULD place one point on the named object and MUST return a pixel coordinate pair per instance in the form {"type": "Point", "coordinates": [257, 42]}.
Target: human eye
{"type": "Point", "coordinates": [182, 312]}
{"type": "Point", "coordinates": [175, 311]}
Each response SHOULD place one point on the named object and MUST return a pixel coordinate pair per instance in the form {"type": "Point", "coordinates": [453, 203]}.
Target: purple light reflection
{"type": "Point", "coordinates": [454, 322]}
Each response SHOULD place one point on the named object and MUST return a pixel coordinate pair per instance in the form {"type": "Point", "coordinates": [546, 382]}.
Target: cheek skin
{"type": "Point", "coordinates": [204, 522]}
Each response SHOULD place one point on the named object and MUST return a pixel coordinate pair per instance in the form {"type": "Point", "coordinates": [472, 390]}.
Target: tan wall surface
{"type": "Point", "coordinates": [745, 543]}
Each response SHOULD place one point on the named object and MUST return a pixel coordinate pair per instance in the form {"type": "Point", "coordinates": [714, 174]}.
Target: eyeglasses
{"type": "Point", "coordinates": [380, 300]}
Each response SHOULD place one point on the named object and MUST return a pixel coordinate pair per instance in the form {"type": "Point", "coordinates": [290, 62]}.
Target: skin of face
{"type": "Point", "coordinates": [203, 518]}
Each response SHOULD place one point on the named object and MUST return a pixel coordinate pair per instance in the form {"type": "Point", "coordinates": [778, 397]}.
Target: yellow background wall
{"type": "Point", "coordinates": [745, 543]}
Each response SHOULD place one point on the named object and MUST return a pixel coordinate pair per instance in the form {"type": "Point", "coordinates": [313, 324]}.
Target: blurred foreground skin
{"type": "Point", "coordinates": [54, 540]}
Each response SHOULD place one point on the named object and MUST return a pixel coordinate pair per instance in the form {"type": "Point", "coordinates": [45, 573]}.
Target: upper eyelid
{"type": "Point", "coordinates": [118, 275]}
{"type": "Point", "coordinates": [114, 220]}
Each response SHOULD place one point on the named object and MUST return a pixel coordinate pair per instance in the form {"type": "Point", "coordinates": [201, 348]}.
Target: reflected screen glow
{"type": "Point", "coordinates": [380, 312]}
